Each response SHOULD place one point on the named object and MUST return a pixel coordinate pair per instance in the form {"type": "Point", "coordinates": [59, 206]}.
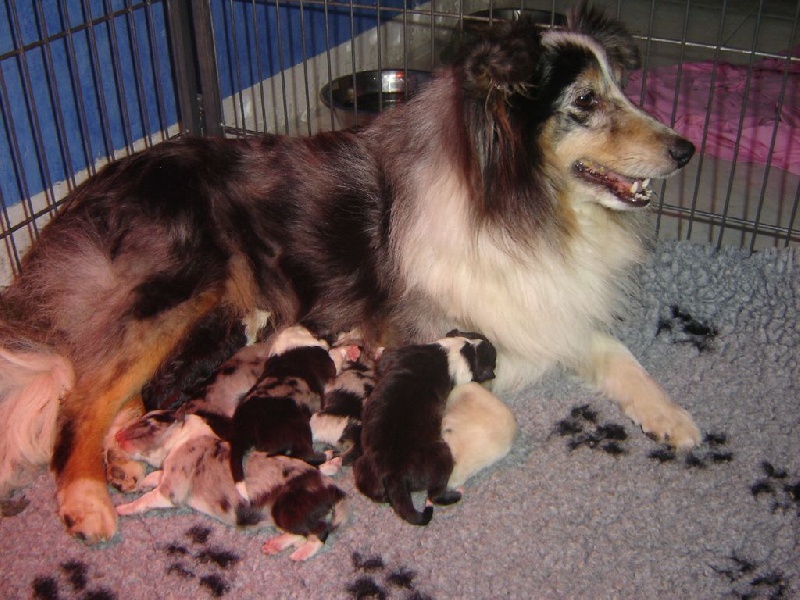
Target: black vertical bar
{"type": "Point", "coordinates": [778, 113]}
{"type": "Point", "coordinates": [39, 148]}
{"type": "Point", "coordinates": [259, 67]}
{"type": "Point", "coordinates": [136, 57]}
{"type": "Point", "coordinates": [736, 146]}
{"type": "Point", "coordinates": [72, 61]}
{"type": "Point", "coordinates": [305, 66]}
{"type": "Point", "coordinates": [330, 63]}
{"type": "Point", "coordinates": [211, 103]}
{"type": "Point", "coordinates": [66, 159]}
{"type": "Point", "coordinates": [792, 217]}
{"type": "Point", "coordinates": [97, 71]}
{"type": "Point", "coordinates": [119, 82]}
{"type": "Point", "coordinates": [155, 62]}
{"type": "Point", "coordinates": [180, 41]}
{"type": "Point", "coordinates": [238, 74]}
{"type": "Point", "coordinates": [192, 42]}
{"type": "Point", "coordinates": [281, 66]}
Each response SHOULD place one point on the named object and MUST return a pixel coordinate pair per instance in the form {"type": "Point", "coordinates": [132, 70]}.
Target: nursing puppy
{"type": "Point", "coordinates": [506, 197]}
{"type": "Point", "coordinates": [182, 377]}
{"type": "Point", "coordinates": [194, 471]}
{"type": "Point", "coordinates": [274, 416]}
{"type": "Point", "coordinates": [401, 437]}
{"type": "Point", "coordinates": [338, 424]}
{"type": "Point", "coordinates": [478, 428]}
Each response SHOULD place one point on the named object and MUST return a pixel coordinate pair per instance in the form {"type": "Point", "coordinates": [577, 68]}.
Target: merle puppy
{"type": "Point", "coordinates": [274, 415]}
{"type": "Point", "coordinates": [193, 471]}
{"type": "Point", "coordinates": [338, 424]}
{"type": "Point", "coordinates": [401, 438]}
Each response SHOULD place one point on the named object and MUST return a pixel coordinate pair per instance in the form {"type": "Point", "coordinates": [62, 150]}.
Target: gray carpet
{"type": "Point", "coordinates": [585, 506]}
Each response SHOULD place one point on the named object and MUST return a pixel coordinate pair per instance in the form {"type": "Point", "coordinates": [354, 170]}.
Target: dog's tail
{"type": "Point", "coordinates": [398, 493]}
{"type": "Point", "coordinates": [31, 384]}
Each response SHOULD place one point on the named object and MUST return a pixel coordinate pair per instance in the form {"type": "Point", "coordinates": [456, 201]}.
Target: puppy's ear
{"type": "Point", "coordinates": [502, 59]}
{"type": "Point", "coordinates": [616, 40]}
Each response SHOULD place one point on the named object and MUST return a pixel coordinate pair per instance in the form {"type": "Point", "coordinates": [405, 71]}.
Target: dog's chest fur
{"type": "Point", "coordinates": [539, 305]}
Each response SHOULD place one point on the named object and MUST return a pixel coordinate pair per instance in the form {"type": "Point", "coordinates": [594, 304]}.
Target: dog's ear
{"type": "Point", "coordinates": [616, 40]}
{"type": "Point", "coordinates": [501, 59]}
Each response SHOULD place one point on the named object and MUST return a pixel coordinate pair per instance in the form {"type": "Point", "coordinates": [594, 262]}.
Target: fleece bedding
{"type": "Point", "coordinates": [584, 506]}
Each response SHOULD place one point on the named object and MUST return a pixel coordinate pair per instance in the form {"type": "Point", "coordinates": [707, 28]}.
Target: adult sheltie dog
{"type": "Point", "coordinates": [502, 199]}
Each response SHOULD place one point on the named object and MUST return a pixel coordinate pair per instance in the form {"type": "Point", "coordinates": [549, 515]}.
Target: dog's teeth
{"type": "Point", "coordinates": [635, 187]}
{"type": "Point", "coordinates": [646, 182]}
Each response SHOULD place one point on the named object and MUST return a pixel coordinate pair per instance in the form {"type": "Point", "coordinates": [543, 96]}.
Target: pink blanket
{"type": "Point", "coordinates": [730, 95]}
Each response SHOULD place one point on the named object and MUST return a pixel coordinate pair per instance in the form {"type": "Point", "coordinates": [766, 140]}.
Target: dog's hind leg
{"type": "Point", "coordinates": [88, 411]}
{"type": "Point", "coordinates": [616, 373]}
{"type": "Point", "coordinates": [31, 385]}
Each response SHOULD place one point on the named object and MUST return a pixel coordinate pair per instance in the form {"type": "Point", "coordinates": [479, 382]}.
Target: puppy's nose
{"type": "Point", "coordinates": [682, 151]}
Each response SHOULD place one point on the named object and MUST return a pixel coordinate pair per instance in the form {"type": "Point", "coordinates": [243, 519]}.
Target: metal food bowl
{"type": "Point", "coordinates": [359, 99]}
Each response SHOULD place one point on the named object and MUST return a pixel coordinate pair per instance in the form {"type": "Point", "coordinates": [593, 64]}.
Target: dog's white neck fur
{"type": "Point", "coordinates": [292, 337]}
{"type": "Point", "coordinates": [540, 308]}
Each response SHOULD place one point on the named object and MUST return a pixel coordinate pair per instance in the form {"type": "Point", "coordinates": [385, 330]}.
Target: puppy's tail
{"type": "Point", "coordinates": [398, 493]}
{"type": "Point", "coordinates": [31, 385]}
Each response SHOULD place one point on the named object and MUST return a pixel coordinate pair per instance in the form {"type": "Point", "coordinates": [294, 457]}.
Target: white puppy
{"type": "Point", "coordinates": [479, 429]}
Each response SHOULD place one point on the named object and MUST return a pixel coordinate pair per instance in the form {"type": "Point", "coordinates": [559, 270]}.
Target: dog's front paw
{"type": "Point", "coordinates": [123, 473]}
{"type": "Point", "coordinates": [667, 422]}
{"type": "Point", "coordinates": [86, 510]}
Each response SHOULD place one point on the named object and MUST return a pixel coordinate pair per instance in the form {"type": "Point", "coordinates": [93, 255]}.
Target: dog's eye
{"type": "Point", "coordinates": [586, 101]}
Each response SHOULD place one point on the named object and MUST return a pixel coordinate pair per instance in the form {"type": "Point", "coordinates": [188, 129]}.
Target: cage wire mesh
{"type": "Point", "coordinates": [83, 82]}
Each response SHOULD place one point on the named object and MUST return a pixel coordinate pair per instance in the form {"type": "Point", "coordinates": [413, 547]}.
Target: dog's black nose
{"type": "Point", "coordinates": [682, 151]}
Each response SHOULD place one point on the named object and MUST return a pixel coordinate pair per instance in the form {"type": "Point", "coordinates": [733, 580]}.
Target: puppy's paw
{"type": "Point", "coordinates": [123, 473]}
{"type": "Point", "coordinates": [307, 549]}
{"type": "Point", "coordinates": [129, 508]}
{"type": "Point", "coordinates": [667, 422]}
{"type": "Point", "coordinates": [86, 510]}
{"type": "Point", "coordinates": [281, 542]}
{"type": "Point", "coordinates": [331, 466]}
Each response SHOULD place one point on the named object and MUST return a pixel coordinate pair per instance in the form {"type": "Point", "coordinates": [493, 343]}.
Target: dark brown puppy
{"type": "Point", "coordinates": [401, 437]}
{"type": "Point", "coordinates": [274, 416]}
{"type": "Point", "coordinates": [338, 424]}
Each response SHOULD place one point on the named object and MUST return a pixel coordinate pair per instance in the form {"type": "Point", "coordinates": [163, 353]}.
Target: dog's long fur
{"type": "Point", "coordinates": [478, 204]}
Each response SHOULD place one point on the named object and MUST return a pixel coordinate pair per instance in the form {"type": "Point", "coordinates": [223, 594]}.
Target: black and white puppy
{"type": "Point", "coordinates": [338, 424]}
{"type": "Point", "coordinates": [401, 437]}
{"type": "Point", "coordinates": [274, 416]}
{"type": "Point", "coordinates": [194, 471]}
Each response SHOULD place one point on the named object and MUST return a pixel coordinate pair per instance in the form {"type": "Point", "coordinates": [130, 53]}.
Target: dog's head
{"type": "Point", "coordinates": [148, 438]}
{"type": "Point", "coordinates": [470, 357]}
{"type": "Point", "coordinates": [552, 101]}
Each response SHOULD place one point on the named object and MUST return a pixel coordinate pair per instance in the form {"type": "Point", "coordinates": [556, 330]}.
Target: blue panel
{"type": "Point", "coordinates": [85, 93]}
{"type": "Point", "coordinates": [273, 38]}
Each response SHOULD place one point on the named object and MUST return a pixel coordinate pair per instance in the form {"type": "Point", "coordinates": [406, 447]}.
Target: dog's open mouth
{"type": "Point", "coordinates": [635, 193]}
